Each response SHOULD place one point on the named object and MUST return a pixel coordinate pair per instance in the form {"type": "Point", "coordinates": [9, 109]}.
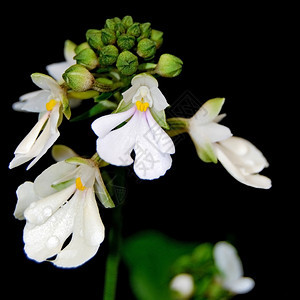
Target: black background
{"type": "Point", "coordinates": [234, 52]}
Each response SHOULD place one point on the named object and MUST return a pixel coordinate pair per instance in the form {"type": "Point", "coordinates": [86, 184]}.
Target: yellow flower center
{"type": "Point", "coordinates": [79, 184]}
{"type": "Point", "coordinates": [141, 106]}
{"type": "Point", "coordinates": [50, 105]}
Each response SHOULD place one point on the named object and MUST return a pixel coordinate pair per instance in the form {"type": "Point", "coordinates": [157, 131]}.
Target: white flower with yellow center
{"type": "Point", "coordinates": [50, 103]}
{"type": "Point", "coordinates": [214, 142]}
{"type": "Point", "coordinates": [59, 203]}
{"type": "Point", "coordinates": [230, 266]}
{"type": "Point", "coordinates": [142, 133]}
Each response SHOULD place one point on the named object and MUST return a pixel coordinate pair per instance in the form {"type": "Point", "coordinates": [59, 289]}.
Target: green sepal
{"type": "Point", "coordinates": [82, 95]}
{"type": "Point", "coordinates": [206, 153]}
{"type": "Point", "coordinates": [77, 160]}
{"type": "Point", "coordinates": [63, 185]}
{"type": "Point", "coordinates": [66, 107]}
{"type": "Point", "coordinates": [95, 110]}
{"type": "Point", "coordinates": [177, 126]}
{"type": "Point", "coordinates": [102, 193]}
{"type": "Point", "coordinates": [123, 106]}
{"type": "Point", "coordinates": [147, 66]}
{"type": "Point", "coordinates": [160, 118]}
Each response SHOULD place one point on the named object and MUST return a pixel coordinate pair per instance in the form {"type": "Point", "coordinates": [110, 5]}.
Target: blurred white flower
{"type": "Point", "coordinates": [230, 266]}
{"type": "Point", "coordinates": [59, 203]}
{"type": "Point", "coordinates": [151, 144]}
{"type": "Point", "coordinates": [183, 285]}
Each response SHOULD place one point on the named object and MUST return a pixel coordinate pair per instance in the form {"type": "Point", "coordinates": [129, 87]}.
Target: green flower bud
{"type": "Point", "coordinates": [119, 28]}
{"type": "Point", "coordinates": [127, 63]}
{"type": "Point", "coordinates": [126, 41]}
{"type": "Point", "coordinates": [94, 38]}
{"type": "Point", "coordinates": [127, 21]}
{"type": "Point", "coordinates": [145, 30]}
{"type": "Point", "coordinates": [78, 78]}
{"type": "Point", "coordinates": [108, 55]}
{"type": "Point", "coordinates": [157, 37]}
{"type": "Point", "coordinates": [169, 65]}
{"type": "Point", "coordinates": [110, 23]}
{"type": "Point", "coordinates": [81, 47]}
{"type": "Point", "coordinates": [108, 36]}
{"type": "Point", "coordinates": [87, 58]}
{"type": "Point", "coordinates": [117, 20]}
{"type": "Point", "coordinates": [134, 30]}
{"type": "Point", "coordinates": [146, 48]}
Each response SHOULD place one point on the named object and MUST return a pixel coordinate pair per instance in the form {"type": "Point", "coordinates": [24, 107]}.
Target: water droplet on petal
{"type": "Point", "coordinates": [47, 212]}
{"type": "Point", "coordinates": [52, 242]}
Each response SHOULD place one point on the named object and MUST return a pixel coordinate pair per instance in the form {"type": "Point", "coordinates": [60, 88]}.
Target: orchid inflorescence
{"type": "Point", "coordinates": [117, 68]}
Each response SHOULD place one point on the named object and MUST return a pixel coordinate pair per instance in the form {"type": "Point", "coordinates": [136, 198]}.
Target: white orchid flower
{"type": "Point", "coordinates": [50, 103]}
{"type": "Point", "coordinates": [59, 203]}
{"type": "Point", "coordinates": [151, 144]}
{"type": "Point", "coordinates": [57, 69]}
{"type": "Point", "coordinates": [230, 266]}
{"type": "Point", "coordinates": [215, 142]}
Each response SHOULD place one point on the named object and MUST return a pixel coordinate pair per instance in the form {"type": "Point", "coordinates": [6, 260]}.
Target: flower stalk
{"type": "Point", "coordinates": [113, 259]}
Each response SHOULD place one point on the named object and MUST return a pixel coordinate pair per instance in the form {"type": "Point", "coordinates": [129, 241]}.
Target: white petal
{"type": "Point", "coordinates": [241, 286]}
{"type": "Point", "coordinates": [246, 154]}
{"type": "Point", "coordinates": [48, 137]}
{"type": "Point", "coordinates": [128, 94]}
{"type": "Point", "coordinates": [62, 152]}
{"type": "Point", "coordinates": [44, 241]}
{"type": "Point", "coordinates": [87, 236]}
{"type": "Point", "coordinates": [116, 147]}
{"type": "Point", "coordinates": [33, 102]}
{"type": "Point", "coordinates": [57, 69]}
{"type": "Point", "coordinates": [228, 261]}
{"type": "Point", "coordinates": [69, 52]}
{"type": "Point", "coordinates": [46, 82]}
{"type": "Point", "coordinates": [159, 101]}
{"type": "Point", "coordinates": [55, 174]}
{"type": "Point", "coordinates": [253, 180]}
{"type": "Point", "coordinates": [162, 139]}
{"type": "Point", "coordinates": [29, 95]}
{"type": "Point", "coordinates": [26, 195]}
{"type": "Point", "coordinates": [144, 79]}
{"type": "Point", "coordinates": [208, 111]}
{"type": "Point", "coordinates": [31, 137]}
{"type": "Point", "coordinates": [103, 125]}
{"type": "Point", "coordinates": [215, 132]}
{"type": "Point", "coordinates": [150, 163]}
{"type": "Point", "coordinates": [41, 210]}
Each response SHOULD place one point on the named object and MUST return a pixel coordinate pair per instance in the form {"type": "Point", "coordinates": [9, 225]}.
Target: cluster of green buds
{"type": "Point", "coordinates": [111, 56]}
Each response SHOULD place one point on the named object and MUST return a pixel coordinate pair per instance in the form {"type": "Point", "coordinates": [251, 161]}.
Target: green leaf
{"type": "Point", "coordinates": [149, 257]}
{"type": "Point", "coordinates": [103, 96]}
{"type": "Point", "coordinates": [95, 110]}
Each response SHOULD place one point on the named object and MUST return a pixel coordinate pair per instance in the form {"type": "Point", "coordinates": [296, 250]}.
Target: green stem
{"type": "Point", "coordinates": [113, 259]}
